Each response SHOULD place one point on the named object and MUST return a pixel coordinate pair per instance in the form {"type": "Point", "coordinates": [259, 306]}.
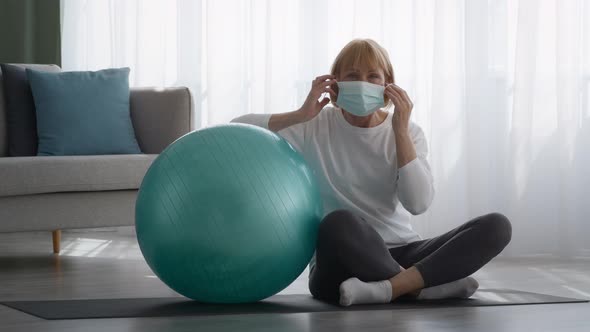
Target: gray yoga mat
{"type": "Point", "coordinates": [179, 306]}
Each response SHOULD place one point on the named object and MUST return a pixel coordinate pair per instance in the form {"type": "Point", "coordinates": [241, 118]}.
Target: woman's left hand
{"type": "Point", "coordinates": [402, 110]}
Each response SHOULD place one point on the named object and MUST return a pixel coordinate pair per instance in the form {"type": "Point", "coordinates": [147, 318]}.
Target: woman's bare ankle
{"type": "Point", "coordinates": [408, 282]}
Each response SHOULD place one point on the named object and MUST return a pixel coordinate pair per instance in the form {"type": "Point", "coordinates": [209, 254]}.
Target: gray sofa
{"type": "Point", "coordinates": [59, 192]}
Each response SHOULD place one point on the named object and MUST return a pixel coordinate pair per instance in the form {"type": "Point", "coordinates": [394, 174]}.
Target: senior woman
{"type": "Point", "coordinates": [373, 173]}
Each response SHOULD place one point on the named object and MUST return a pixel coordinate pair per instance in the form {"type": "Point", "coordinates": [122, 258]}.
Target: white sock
{"type": "Point", "coordinates": [354, 291]}
{"type": "Point", "coordinates": [462, 288]}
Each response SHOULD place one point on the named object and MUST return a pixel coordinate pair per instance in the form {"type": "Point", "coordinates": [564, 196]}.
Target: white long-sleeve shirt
{"type": "Point", "coordinates": [357, 170]}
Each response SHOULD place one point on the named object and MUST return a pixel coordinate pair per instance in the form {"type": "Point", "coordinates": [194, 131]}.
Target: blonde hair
{"type": "Point", "coordinates": [364, 52]}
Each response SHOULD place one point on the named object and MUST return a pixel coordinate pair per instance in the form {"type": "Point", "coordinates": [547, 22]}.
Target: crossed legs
{"type": "Point", "coordinates": [347, 247]}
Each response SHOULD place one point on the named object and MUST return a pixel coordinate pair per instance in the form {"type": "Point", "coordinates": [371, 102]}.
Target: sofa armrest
{"type": "Point", "coordinates": [160, 116]}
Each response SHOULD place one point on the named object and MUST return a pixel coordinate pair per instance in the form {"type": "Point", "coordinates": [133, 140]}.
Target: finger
{"type": "Point", "coordinates": [394, 98]}
{"type": "Point", "coordinates": [401, 97]}
{"type": "Point", "coordinates": [324, 102]}
{"type": "Point", "coordinates": [407, 97]}
{"type": "Point", "coordinates": [323, 83]}
{"type": "Point", "coordinates": [330, 91]}
{"type": "Point", "coordinates": [396, 87]}
{"type": "Point", "coordinates": [324, 77]}
{"type": "Point", "coordinates": [393, 88]}
{"type": "Point", "coordinates": [401, 91]}
{"type": "Point", "coordinates": [318, 92]}
{"type": "Point", "coordinates": [392, 92]}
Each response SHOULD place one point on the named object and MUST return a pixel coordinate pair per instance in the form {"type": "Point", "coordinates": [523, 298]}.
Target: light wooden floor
{"type": "Point", "coordinates": [108, 264]}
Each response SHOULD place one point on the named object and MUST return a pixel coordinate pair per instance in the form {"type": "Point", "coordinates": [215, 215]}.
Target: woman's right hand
{"type": "Point", "coordinates": [312, 105]}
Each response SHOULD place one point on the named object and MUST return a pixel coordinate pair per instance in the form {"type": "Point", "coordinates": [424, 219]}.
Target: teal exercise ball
{"type": "Point", "coordinates": [228, 214]}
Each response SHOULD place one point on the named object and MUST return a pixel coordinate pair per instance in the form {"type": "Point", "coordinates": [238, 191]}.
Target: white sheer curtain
{"type": "Point", "coordinates": [501, 87]}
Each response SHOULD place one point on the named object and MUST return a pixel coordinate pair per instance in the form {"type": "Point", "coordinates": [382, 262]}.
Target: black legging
{"type": "Point", "coordinates": [348, 247]}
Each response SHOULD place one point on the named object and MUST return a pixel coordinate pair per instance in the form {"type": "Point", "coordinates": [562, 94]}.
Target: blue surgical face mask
{"type": "Point", "coordinates": [360, 98]}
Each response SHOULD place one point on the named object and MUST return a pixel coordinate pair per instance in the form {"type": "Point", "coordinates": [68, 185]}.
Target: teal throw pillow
{"type": "Point", "coordinates": [83, 113]}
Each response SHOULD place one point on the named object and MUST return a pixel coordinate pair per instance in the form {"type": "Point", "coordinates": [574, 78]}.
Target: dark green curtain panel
{"type": "Point", "coordinates": [30, 31]}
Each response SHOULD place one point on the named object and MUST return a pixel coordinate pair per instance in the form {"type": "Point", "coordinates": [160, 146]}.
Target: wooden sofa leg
{"type": "Point", "coordinates": [56, 240]}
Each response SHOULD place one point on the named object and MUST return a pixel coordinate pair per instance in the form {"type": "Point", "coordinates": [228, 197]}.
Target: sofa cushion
{"type": "Point", "coordinates": [83, 113]}
{"type": "Point", "coordinates": [36, 175]}
{"type": "Point", "coordinates": [19, 108]}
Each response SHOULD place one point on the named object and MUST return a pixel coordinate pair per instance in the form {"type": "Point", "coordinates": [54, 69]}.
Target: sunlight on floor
{"type": "Point", "coordinates": [575, 290]}
{"type": "Point", "coordinates": [90, 247]}
{"type": "Point", "coordinates": [85, 247]}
